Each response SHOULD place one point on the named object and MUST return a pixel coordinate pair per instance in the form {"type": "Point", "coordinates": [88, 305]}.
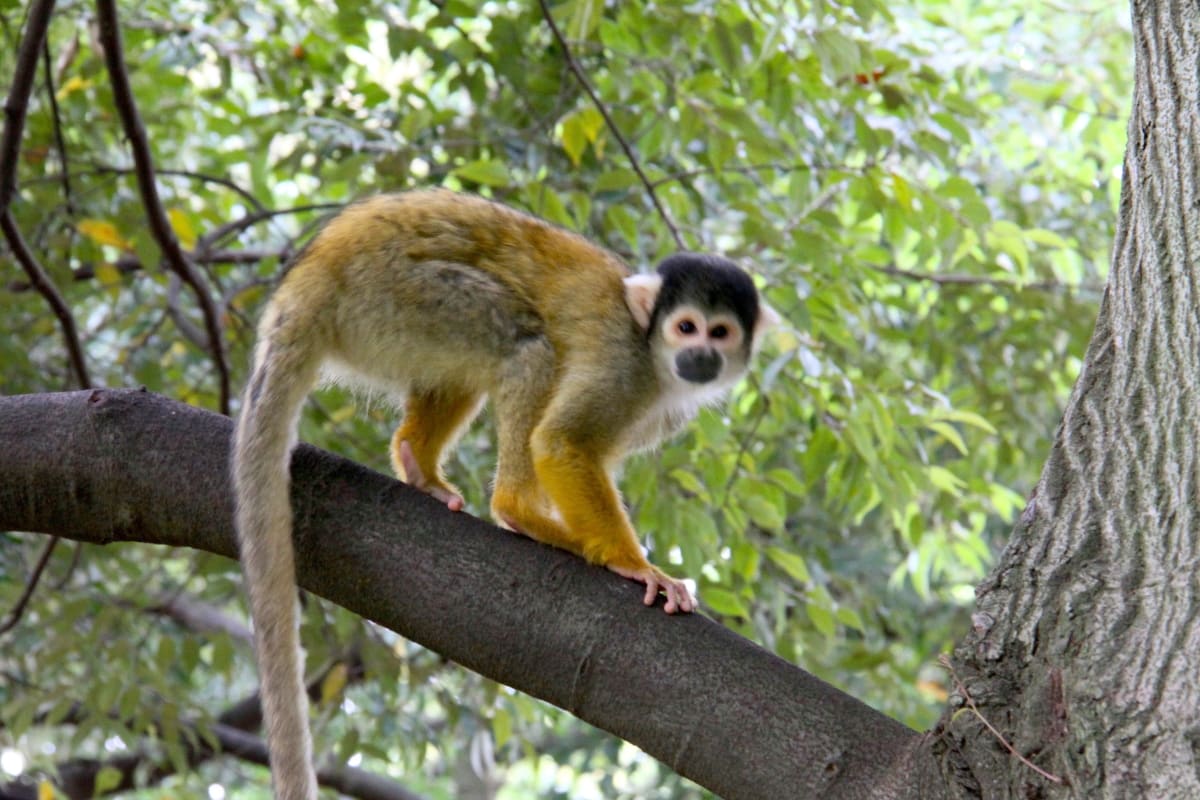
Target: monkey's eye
{"type": "Point", "coordinates": [719, 332]}
{"type": "Point", "coordinates": [686, 327]}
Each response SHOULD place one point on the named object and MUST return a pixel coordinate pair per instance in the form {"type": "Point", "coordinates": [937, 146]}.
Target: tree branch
{"type": "Point", "coordinates": [958, 279]}
{"type": "Point", "coordinates": [18, 609]}
{"type": "Point", "coordinates": [16, 105]}
{"type": "Point", "coordinates": [110, 466]}
{"type": "Point", "coordinates": [59, 142]}
{"type": "Point", "coordinates": [160, 226]}
{"type": "Point", "coordinates": [40, 281]}
{"type": "Point", "coordinates": [581, 76]}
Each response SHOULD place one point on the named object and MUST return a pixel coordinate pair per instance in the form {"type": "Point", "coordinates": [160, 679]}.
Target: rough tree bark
{"type": "Point", "coordinates": [1087, 634]}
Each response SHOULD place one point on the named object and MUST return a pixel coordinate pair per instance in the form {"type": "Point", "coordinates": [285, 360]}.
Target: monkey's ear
{"type": "Point", "coordinates": [768, 318]}
{"type": "Point", "coordinates": [641, 292]}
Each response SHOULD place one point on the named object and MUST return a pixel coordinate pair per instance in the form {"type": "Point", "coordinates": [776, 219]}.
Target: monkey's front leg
{"type": "Point", "coordinates": [595, 524]}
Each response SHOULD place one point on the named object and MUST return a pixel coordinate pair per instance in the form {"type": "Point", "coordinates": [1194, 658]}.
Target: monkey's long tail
{"type": "Point", "coordinates": [284, 372]}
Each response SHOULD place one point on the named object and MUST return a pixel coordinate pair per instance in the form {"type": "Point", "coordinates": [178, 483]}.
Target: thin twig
{"type": "Point", "coordinates": [970, 701]}
{"type": "Point", "coordinates": [958, 279]}
{"type": "Point", "coordinates": [59, 142]}
{"type": "Point", "coordinates": [578, 72]}
{"type": "Point", "coordinates": [18, 610]}
{"type": "Point", "coordinates": [16, 105]}
{"type": "Point", "coordinates": [160, 226]}
{"type": "Point", "coordinates": [253, 218]}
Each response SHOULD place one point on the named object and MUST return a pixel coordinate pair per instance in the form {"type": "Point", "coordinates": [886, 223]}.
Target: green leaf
{"type": "Point", "coordinates": [485, 172]}
{"type": "Point", "coordinates": [950, 434]}
{"type": "Point", "coordinates": [724, 602]}
{"type": "Point", "coordinates": [690, 483]}
{"type": "Point", "coordinates": [787, 480]}
{"type": "Point", "coordinates": [821, 619]}
{"type": "Point", "coordinates": [965, 417]}
{"type": "Point", "coordinates": [107, 778]}
{"type": "Point", "coordinates": [765, 513]}
{"type": "Point", "coordinates": [850, 618]}
{"type": "Point", "coordinates": [585, 18]}
{"type": "Point", "coordinates": [946, 480]}
{"type": "Point", "coordinates": [791, 563]}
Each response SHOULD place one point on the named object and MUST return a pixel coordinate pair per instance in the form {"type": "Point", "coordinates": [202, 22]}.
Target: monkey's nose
{"type": "Point", "coordinates": [698, 364]}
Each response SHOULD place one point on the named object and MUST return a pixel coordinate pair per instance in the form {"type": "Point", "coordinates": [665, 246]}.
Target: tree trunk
{"type": "Point", "coordinates": [1086, 636]}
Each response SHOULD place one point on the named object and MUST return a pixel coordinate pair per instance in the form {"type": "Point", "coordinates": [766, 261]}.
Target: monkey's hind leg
{"type": "Point", "coordinates": [518, 502]}
{"type": "Point", "coordinates": [432, 421]}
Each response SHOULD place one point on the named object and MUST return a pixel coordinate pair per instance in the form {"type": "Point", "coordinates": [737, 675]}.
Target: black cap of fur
{"type": "Point", "coordinates": [711, 283]}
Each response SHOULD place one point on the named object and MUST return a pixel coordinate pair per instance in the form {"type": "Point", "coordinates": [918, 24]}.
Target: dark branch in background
{"type": "Point", "coordinates": [40, 281]}
{"type": "Point", "coordinates": [200, 617]}
{"type": "Point", "coordinates": [18, 609]}
{"type": "Point", "coordinates": [128, 264]}
{"type": "Point", "coordinates": [958, 279]}
{"type": "Point", "coordinates": [59, 142]}
{"type": "Point", "coordinates": [160, 226]}
{"type": "Point", "coordinates": [579, 74]}
{"type": "Point", "coordinates": [16, 105]}
{"type": "Point", "coordinates": [238, 225]}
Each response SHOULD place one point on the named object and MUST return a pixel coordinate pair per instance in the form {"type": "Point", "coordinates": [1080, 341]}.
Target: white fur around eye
{"type": "Point", "coordinates": [733, 332]}
{"type": "Point", "coordinates": [674, 337]}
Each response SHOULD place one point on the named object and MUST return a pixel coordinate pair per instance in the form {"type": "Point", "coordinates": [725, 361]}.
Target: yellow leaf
{"type": "Point", "coordinates": [73, 84]}
{"type": "Point", "coordinates": [183, 228]}
{"type": "Point", "coordinates": [108, 274]}
{"type": "Point", "coordinates": [574, 138]}
{"type": "Point", "coordinates": [46, 791]}
{"type": "Point", "coordinates": [334, 683]}
{"type": "Point", "coordinates": [592, 122]}
{"type": "Point", "coordinates": [933, 690]}
{"type": "Point", "coordinates": [104, 233]}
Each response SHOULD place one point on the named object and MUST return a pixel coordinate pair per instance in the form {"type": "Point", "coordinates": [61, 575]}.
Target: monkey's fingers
{"type": "Point", "coordinates": [679, 597]}
{"type": "Point", "coordinates": [415, 477]}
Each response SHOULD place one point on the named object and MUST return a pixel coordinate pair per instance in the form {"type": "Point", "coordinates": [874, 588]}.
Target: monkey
{"type": "Point", "coordinates": [445, 299]}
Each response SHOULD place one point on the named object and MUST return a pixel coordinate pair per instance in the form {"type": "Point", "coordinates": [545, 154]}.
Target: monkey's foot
{"type": "Point", "coordinates": [415, 477]}
{"type": "Point", "coordinates": [679, 597]}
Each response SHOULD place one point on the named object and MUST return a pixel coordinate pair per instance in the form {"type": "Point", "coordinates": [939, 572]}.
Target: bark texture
{"type": "Point", "coordinates": [110, 466]}
{"type": "Point", "coordinates": [1086, 637]}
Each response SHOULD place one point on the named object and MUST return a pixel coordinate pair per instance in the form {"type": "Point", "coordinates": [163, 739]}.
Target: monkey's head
{"type": "Point", "coordinates": [702, 318]}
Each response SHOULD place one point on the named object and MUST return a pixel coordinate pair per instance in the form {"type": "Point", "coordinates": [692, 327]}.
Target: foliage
{"type": "Point", "coordinates": [926, 189]}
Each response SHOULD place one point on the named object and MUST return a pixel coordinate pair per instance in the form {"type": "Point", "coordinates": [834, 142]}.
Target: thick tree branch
{"type": "Point", "coordinates": [160, 226]}
{"type": "Point", "coordinates": [110, 466]}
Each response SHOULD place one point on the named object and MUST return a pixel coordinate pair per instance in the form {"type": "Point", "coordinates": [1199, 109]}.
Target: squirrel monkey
{"type": "Point", "coordinates": [444, 298]}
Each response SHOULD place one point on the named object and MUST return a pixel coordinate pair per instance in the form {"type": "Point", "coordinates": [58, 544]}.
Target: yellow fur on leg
{"type": "Point", "coordinates": [432, 420]}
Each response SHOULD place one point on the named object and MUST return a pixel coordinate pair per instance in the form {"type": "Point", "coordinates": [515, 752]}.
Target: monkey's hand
{"type": "Point", "coordinates": [679, 598]}
{"type": "Point", "coordinates": [415, 477]}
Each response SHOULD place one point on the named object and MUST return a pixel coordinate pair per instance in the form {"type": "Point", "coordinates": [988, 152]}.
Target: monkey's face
{"type": "Point", "coordinates": [702, 347]}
